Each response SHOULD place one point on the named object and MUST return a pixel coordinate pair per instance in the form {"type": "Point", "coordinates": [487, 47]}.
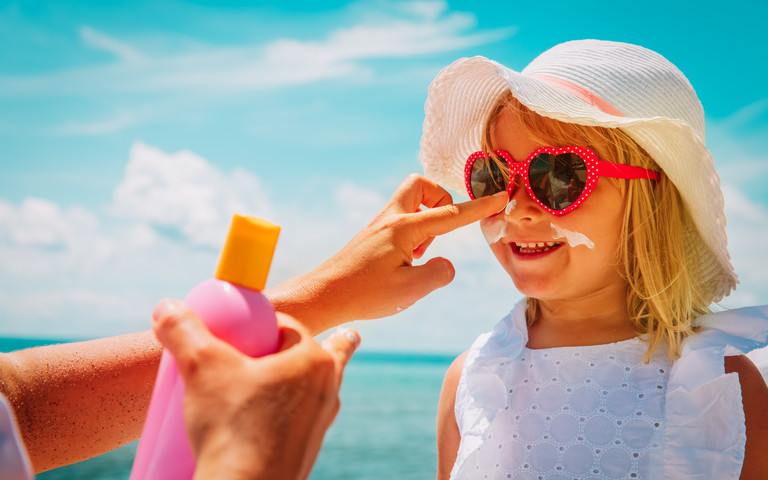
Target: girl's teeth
{"type": "Point", "coordinates": [535, 246]}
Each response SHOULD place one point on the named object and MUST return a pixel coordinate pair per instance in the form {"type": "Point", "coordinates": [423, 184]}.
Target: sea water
{"type": "Point", "coordinates": [385, 429]}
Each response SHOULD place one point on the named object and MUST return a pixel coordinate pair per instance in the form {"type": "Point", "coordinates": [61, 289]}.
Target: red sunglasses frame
{"type": "Point", "coordinates": [596, 168]}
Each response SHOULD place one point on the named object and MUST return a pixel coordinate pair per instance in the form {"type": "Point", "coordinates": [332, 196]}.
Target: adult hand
{"type": "Point", "coordinates": [255, 418]}
{"type": "Point", "coordinates": [373, 276]}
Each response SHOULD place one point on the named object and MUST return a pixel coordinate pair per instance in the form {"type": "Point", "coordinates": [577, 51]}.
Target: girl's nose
{"type": "Point", "coordinates": [521, 207]}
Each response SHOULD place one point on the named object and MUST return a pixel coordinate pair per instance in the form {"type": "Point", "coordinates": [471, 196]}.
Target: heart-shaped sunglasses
{"type": "Point", "coordinates": [559, 180]}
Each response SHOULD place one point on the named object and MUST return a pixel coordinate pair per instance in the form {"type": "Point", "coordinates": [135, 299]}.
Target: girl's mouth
{"type": "Point", "coordinates": [535, 247]}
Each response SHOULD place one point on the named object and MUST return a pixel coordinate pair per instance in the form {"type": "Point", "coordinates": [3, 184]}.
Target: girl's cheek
{"type": "Point", "coordinates": [573, 238]}
{"type": "Point", "coordinates": [495, 227]}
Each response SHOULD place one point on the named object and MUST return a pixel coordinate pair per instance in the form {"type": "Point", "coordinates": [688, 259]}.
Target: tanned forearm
{"type": "Point", "coordinates": [77, 400]}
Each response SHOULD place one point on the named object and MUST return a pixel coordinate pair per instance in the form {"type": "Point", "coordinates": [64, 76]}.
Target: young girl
{"type": "Point", "coordinates": [612, 367]}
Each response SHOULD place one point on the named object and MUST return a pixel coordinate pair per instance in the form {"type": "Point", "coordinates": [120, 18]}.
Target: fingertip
{"type": "Point", "coordinates": [342, 343]}
{"type": "Point", "coordinates": [442, 270]}
{"type": "Point", "coordinates": [168, 319]}
{"type": "Point", "coordinates": [179, 329]}
{"type": "Point", "coordinates": [350, 334]}
{"type": "Point", "coordinates": [165, 308]}
{"type": "Point", "coordinates": [501, 199]}
{"type": "Point", "coordinates": [343, 335]}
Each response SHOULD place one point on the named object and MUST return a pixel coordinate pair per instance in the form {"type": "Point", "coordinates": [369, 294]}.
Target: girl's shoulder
{"type": "Point", "coordinates": [739, 331]}
{"type": "Point", "coordinates": [722, 334]}
{"type": "Point", "coordinates": [749, 322]}
{"type": "Point", "coordinates": [745, 330]}
{"type": "Point", "coordinates": [703, 394]}
{"type": "Point", "coordinates": [754, 397]}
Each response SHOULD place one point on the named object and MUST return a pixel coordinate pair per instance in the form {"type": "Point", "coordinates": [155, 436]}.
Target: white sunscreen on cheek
{"type": "Point", "coordinates": [495, 227]}
{"type": "Point", "coordinates": [573, 238]}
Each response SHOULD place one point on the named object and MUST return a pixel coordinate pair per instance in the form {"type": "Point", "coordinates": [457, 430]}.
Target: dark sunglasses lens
{"type": "Point", "coordinates": [557, 180]}
{"type": "Point", "coordinates": [488, 176]}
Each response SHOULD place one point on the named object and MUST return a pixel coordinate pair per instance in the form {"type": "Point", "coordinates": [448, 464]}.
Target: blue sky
{"type": "Point", "coordinates": [131, 131]}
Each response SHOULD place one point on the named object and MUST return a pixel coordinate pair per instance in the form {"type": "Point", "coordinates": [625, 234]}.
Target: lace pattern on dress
{"type": "Point", "coordinates": [599, 412]}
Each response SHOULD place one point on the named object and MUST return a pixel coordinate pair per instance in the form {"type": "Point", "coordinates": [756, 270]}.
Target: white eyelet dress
{"type": "Point", "coordinates": [600, 412]}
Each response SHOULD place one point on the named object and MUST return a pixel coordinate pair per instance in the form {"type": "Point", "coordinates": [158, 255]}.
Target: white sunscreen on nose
{"type": "Point", "coordinates": [510, 206]}
{"type": "Point", "coordinates": [573, 238]}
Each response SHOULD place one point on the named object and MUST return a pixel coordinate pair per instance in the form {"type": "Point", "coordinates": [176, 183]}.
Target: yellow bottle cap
{"type": "Point", "coordinates": [248, 251]}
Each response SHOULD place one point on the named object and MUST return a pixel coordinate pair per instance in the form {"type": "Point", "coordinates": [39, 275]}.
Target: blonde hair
{"type": "Point", "coordinates": [665, 295]}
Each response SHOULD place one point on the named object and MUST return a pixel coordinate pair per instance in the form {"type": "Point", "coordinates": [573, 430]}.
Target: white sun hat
{"type": "Point", "coordinates": [596, 83]}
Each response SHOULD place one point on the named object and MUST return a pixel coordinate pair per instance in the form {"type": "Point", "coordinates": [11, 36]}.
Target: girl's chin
{"type": "Point", "coordinates": [534, 289]}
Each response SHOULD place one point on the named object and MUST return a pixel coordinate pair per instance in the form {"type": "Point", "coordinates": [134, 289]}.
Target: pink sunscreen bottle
{"type": "Point", "coordinates": [233, 308]}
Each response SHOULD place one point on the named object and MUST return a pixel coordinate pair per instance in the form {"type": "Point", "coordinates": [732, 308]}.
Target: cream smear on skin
{"type": "Point", "coordinates": [573, 238]}
{"type": "Point", "coordinates": [495, 228]}
{"type": "Point", "coordinates": [510, 206]}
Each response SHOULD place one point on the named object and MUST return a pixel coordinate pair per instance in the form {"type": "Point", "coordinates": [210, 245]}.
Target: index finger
{"type": "Point", "coordinates": [441, 220]}
{"type": "Point", "coordinates": [416, 191]}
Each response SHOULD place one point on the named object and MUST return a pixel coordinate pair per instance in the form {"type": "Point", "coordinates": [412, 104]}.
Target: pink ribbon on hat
{"type": "Point", "coordinates": [580, 93]}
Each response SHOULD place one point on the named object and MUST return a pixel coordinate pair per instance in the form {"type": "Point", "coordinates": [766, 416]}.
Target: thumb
{"type": "Point", "coordinates": [184, 335]}
{"type": "Point", "coordinates": [341, 346]}
{"type": "Point", "coordinates": [435, 273]}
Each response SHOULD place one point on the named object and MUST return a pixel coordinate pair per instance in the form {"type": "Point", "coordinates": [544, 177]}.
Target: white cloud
{"type": "Point", "coordinates": [386, 32]}
{"type": "Point", "coordinates": [45, 289]}
{"type": "Point", "coordinates": [101, 41]}
{"type": "Point", "coordinates": [318, 223]}
{"type": "Point", "coordinates": [428, 32]}
{"type": "Point", "coordinates": [738, 146]}
{"type": "Point", "coordinates": [73, 272]}
{"type": "Point", "coordinates": [747, 226]}
{"type": "Point", "coordinates": [38, 222]}
{"type": "Point", "coordinates": [425, 10]}
{"type": "Point", "coordinates": [186, 194]}
{"type": "Point", "coordinates": [358, 205]}
{"type": "Point", "coordinates": [750, 118]}
{"type": "Point", "coordinates": [117, 122]}
{"type": "Point", "coordinates": [40, 238]}
{"type": "Point", "coordinates": [73, 313]}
